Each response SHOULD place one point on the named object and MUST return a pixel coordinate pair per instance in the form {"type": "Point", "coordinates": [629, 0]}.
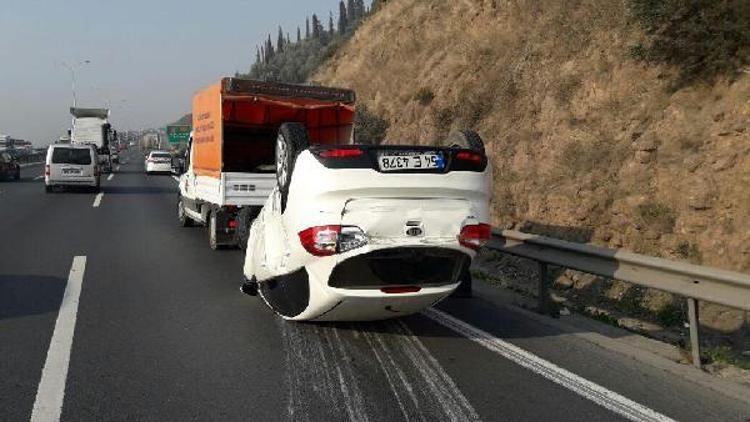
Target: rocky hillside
{"type": "Point", "coordinates": [587, 142]}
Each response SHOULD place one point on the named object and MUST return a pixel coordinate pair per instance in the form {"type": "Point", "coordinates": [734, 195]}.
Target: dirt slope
{"type": "Point", "coordinates": [587, 143]}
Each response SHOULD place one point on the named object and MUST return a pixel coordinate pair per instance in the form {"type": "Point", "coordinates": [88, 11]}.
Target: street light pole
{"type": "Point", "coordinates": [72, 70]}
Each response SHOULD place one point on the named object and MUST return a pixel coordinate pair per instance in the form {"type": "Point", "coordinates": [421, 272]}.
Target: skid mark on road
{"type": "Point", "coordinates": [346, 371]}
{"type": "Point", "coordinates": [51, 392]}
{"type": "Point", "coordinates": [585, 388]}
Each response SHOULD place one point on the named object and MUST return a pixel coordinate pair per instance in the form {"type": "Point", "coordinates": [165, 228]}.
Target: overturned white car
{"type": "Point", "coordinates": [361, 232]}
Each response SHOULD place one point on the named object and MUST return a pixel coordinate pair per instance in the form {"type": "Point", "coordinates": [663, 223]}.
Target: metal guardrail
{"type": "Point", "coordinates": [693, 282]}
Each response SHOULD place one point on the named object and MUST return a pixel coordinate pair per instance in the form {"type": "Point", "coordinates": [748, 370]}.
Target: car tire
{"type": "Point", "coordinates": [182, 216]}
{"type": "Point", "coordinates": [47, 189]}
{"type": "Point", "coordinates": [465, 139]}
{"type": "Point", "coordinates": [213, 241]}
{"type": "Point", "coordinates": [292, 140]}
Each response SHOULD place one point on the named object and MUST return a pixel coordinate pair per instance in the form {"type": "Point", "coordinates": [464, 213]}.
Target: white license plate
{"type": "Point", "coordinates": [71, 171]}
{"type": "Point", "coordinates": [411, 161]}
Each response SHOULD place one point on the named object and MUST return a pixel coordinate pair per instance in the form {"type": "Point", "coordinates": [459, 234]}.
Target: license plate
{"type": "Point", "coordinates": [411, 161]}
{"type": "Point", "coordinates": [71, 171]}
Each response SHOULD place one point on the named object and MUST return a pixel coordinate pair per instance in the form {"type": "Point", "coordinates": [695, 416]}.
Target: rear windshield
{"type": "Point", "coordinates": [81, 157]}
{"type": "Point", "coordinates": [161, 155]}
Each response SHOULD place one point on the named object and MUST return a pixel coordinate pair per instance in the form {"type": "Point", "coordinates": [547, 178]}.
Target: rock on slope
{"type": "Point", "coordinates": [586, 142]}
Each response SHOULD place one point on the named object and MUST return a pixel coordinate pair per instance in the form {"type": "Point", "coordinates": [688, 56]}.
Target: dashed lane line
{"type": "Point", "coordinates": [40, 177]}
{"type": "Point", "coordinates": [603, 397]}
{"type": "Point", "coordinates": [176, 179]}
{"type": "Point", "coordinates": [51, 392]}
{"type": "Point", "coordinates": [98, 199]}
{"type": "Point", "coordinates": [110, 177]}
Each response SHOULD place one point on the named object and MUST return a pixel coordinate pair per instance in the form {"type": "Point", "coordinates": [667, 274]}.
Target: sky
{"type": "Point", "coordinates": [147, 57]}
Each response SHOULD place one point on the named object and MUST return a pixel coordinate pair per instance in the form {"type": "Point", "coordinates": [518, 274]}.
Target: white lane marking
{"type": "Point", "coordinates": [51, 392]}
{"type": "Point", "coordinates": [176, 179]}
{"type": "Point", "coordinates": [117, 168]}
{"type": "Point", "coordinates": [39, 177]}
{"type": "Point", "coordinates": [98, 199]}
{"type": "Point", "coordinates": [581, 386]}
{"type": "Point", "coordinates": [110, 177]}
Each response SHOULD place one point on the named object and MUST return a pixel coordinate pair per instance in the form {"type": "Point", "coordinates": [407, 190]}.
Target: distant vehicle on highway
{"type": "Point", "coordinates": [71, 166]}
{"type": "Point", "coordinates": [91, 127]}
{"type": "Point", "coordinates": [355, 232]}
{"type": "Point", "coordinates": [158, 162]}
{"type": "Point", "coordinates": [230, 163]}
{"type": "Point", "coordinates": [9, 167]}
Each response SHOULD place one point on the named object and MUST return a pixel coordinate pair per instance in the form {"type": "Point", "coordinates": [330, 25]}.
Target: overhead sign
{"type": "Point", "coordinates": [178, 134]}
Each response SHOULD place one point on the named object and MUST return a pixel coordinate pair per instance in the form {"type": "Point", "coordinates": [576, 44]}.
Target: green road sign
{"type": "Point", "coordinates": [178, 134]}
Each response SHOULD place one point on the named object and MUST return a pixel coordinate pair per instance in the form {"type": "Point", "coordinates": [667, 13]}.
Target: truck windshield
{"type": "Point", "coordinates": [81, 157]}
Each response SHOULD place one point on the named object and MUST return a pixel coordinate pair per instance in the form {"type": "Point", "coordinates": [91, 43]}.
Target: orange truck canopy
{"type": "Point", "coordinates": [236, 121]}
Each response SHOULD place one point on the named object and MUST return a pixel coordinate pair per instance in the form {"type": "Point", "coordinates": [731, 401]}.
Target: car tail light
{"type": "Point", "coordinates": [341, 153]}
{"type": "Point", "coordinates": [470, 156]}
{"type": "Point", "coordinates": [330, 240]}
{"type": "Point", "coordinates": [400, 290]}
{"type": "Point", "coordinates": [475, 236]}
{"type": "Point", "coordinates": [232, 224]}
{"type": "Point", "coordinates": [46, 170]}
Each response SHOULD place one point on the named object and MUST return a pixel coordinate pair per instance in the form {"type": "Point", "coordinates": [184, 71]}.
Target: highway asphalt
{"type": "Point", "coordinates": [160, 332]}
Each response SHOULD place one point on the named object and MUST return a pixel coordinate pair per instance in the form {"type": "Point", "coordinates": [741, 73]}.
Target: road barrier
{"type": "Point", "coordinates": [694, 282]}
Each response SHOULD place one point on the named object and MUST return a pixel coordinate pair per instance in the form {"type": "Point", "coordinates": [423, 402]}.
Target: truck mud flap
{"type": "Point", "coordinates": [288, 295]}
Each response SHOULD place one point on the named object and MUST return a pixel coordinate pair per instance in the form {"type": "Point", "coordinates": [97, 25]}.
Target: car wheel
{"type": "Point", "coordinates": [465, 139]}
{"type": "Point", "coordinates": [183, 218]}
{"type": "Point", "coordinates": [213, 242]}
{"type": "Point", "coordinates": [291, 141]}
{"type": "Point", "coordinates": [47, 189]}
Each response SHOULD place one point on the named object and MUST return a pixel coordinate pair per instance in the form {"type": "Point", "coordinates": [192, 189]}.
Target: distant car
{"type": "Point", "coordinates": [9, 167]}
{"type": "Point", "coordinates": [71, 166]}
{"type": "Point", "coordinates": [360, 232]}
{"type": "Point", "coordinates": [158, 162]}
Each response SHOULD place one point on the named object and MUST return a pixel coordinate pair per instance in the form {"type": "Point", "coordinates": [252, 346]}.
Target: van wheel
{"type": "Point", "coordinates": [47, 189]}
{"type": "Point", "coordinates": [291, 141]}
{"type": "Point", "coordinates": [213, 242]}
{"type": "Point", "coordinates": [182, 216]}
{"type": "Point", "coordinates": [465, 139]}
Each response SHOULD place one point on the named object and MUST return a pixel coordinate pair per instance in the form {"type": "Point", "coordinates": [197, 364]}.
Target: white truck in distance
{"type": "Point", "coordinates": [91, 127]}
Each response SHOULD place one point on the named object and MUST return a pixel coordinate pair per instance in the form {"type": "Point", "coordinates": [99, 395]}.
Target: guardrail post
{"type": "Point", "coordinates": [543, 299]}
{"type": "Point", "coordinates": [695, 343]}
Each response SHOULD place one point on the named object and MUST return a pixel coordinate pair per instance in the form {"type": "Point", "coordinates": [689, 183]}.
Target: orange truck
{"type": "Point", "coordinates": [231, 160]}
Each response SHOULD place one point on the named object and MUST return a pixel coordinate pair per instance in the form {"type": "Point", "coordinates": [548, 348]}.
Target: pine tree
{"type": "Point", "coordinates": [263, 54]}
{"type": "Point", "coordinates": [351, 14]}
{"type": "Point", "coordinates": [360, 8]}
{"type": "Point", "coordinates": [307, 24]}
{"type": "Point", "coordinates": [331, 30]}
{"type": "Point", "coordinates": [280, 41]}
{"type": "Point", "coordinates": [316, 26]}
{"type": "Point", "coordinates": [299, 35]}
{"type": "Point", "coordinates": [257, 55]}
{"type": "Point", "coordinates": [342, 17]}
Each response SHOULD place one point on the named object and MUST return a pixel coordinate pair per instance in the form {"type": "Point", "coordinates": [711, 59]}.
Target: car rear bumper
{"type": "Point", "coordinates": [92, 182]}
{"type": "Point", "coordinates": [376, 285]}
{"type": "Point", "coordinates": [159, 168]}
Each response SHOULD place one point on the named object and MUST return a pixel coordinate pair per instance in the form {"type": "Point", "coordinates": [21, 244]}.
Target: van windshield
{"type": "Point", "coordinates": [81, 157]}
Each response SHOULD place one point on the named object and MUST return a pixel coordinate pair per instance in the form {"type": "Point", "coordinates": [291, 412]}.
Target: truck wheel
{"type": "Point", "coordinates": [465, 139]}
{"type": "Point", "coordinates": [291, 141]}
{"type": "Point", "coordinates": [183, 218]}
{"type": "Point", "coordinates": [213, 242]}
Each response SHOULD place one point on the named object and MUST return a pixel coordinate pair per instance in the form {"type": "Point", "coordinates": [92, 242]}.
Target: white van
{"type": "Point", "coordinates": [71, 165]}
